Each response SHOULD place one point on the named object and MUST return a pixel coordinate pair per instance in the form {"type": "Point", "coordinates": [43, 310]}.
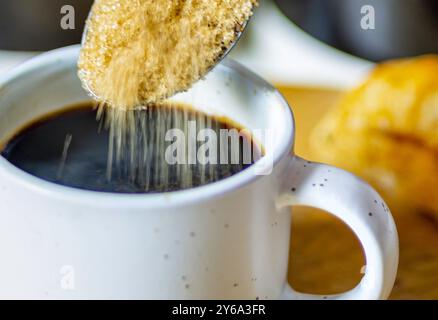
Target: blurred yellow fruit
{"type": "Point", "coordinates": [386, 131]}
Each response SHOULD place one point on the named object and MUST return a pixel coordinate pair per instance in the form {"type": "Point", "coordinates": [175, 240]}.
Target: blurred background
{"type": "Point", "coordinates": [321, 55]}
{"type": "Point", "coordinates": [283, 33]}
{"type": "Point", "coordinates": [273, 46]}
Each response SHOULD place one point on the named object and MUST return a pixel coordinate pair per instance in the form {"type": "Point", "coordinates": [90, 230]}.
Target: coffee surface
{"type": "Point", "coordinates": [71, 148]}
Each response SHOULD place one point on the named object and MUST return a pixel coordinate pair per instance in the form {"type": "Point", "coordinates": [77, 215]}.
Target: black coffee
{"type": "Point", "coordinates": [71, 148]}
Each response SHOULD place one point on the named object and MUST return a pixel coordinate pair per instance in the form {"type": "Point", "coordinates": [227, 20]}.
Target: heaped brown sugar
{"type": "Point", "coordinates": [137, 52]}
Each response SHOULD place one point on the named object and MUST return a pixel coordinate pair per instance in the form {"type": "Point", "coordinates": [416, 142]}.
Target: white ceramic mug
{"type": "Point", "coordinates": [225, 240]}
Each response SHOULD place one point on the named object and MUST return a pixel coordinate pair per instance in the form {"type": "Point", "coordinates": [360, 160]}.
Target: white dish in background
{"type": "Point", "coordinates": [281, 52]}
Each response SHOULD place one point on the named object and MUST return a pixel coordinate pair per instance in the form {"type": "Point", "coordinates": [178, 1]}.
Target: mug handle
{"type": "Point", "coordinates": [361, 208]}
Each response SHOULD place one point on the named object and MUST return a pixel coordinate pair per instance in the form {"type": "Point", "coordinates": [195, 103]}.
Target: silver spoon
{"type": "Point", "coordinates": [239, 34]}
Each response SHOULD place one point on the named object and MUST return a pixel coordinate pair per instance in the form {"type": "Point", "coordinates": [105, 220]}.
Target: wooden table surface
{"type": "Point", "coordinates": [326, 258]}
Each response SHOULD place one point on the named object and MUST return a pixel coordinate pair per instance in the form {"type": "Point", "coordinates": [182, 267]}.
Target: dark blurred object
{"type": "Point", "coordinates": [34, 25]}
{"type": "Point", "coordinates": [402, 27]}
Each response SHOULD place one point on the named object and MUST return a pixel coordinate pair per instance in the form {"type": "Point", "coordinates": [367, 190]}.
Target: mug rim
{"type": "Point", "coordinates": [146, 200]}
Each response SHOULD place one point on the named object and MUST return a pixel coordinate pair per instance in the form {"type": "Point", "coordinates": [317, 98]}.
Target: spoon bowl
{"type": "Point", "coordinates": [222, 56]}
